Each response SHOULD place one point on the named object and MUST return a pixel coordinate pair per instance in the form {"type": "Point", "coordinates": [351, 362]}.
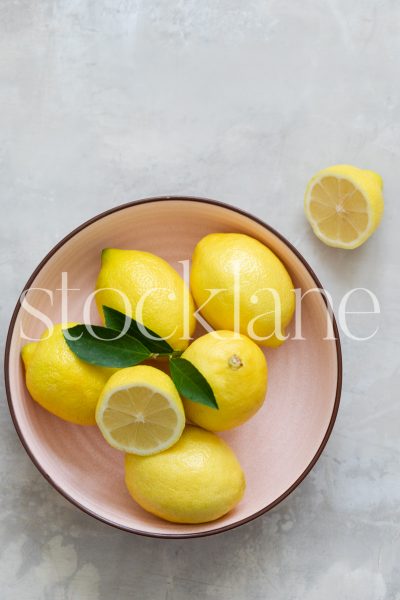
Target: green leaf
{"type": "Point", "coordinates": [105, 352]}
{"type": "Point", "coordinates": [116, 320]}
{"type": "Point", "coordinates": [191, 383]}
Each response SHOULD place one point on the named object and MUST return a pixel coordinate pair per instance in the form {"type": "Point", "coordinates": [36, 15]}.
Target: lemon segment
{"type": "Point", "coordinates": [344, 205]}
{"type": "Point", "coordinates": [140, 411]}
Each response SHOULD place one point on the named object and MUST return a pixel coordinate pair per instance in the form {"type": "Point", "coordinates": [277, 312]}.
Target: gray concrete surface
{"type": "Point", "coordinates": [107, 101]}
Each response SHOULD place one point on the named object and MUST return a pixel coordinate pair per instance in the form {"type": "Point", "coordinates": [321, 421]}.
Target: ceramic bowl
{"type": "Point", "coordinates": [277, 447]}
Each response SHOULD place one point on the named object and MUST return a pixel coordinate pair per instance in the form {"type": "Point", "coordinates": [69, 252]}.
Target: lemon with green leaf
{"type": "Point", "coordinates": [236, 370]}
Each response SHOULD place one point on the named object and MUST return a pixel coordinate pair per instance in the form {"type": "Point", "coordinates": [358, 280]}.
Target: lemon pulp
{"type": "Point", "coordinates": [344, 205]}
{"type": "Point", "coordinates": [140, 411]}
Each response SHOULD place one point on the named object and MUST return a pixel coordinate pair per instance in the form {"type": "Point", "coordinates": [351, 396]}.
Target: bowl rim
{"type": "Point", "coordinates": [55, 485]}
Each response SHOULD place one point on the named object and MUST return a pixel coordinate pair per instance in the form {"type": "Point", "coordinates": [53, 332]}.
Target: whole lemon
{"type": "Point", "coordinates": [59, 381]}
{"type": "Point", "coordinates": [236, 370]}
{"type": "Point", "coordinates": [167, 305]}
{"type": "Point", "coordinates": [240, 272]}
{"type": "Point", "coordinates": [199, 479]}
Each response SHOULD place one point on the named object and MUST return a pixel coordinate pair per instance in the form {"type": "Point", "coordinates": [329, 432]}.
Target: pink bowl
{"type": "Point", "coordinates": [277, 448]}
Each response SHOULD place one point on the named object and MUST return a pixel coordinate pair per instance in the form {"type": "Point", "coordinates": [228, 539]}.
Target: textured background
{"type": "Point", "coordinates": [106, 101]}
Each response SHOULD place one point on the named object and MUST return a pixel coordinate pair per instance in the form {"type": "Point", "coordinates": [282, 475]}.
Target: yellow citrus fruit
{"type": "Point", "coordinates": [144, 277]}
{"type": "Point", "coordinates": [140, 411]}
{"type": "Point", "coordinates": [344, 205]}
{"type": "Point", "coordinates": [242, 268]}
{"type": "Point", "coordinates": [236, 370]}
{"type": "Point", "coordinates": [59, 381]}
{"type": "Point", "coordinates": [199, 479]}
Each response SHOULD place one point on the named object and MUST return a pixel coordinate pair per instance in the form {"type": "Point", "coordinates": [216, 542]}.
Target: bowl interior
{"type": "Point", "coordinates": [275, 448]}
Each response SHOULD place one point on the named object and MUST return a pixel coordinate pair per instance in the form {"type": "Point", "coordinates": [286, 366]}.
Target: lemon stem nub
{"type": "Point", "coordinates": [235, 362]}
{"type": "Point", "coordinates": [104, 253]}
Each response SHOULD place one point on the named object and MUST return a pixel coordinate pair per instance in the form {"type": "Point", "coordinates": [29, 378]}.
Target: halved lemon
{"type": "Point", "coordinates": [140, 411]}
{"type": "Point", "coordinates": [344, 205]}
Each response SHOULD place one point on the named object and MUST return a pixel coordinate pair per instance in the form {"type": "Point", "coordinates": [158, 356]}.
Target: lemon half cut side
{"type": "Point", "coordinates": [140, 411]}
{"type": "Point", "coordinates": [344, 205]}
